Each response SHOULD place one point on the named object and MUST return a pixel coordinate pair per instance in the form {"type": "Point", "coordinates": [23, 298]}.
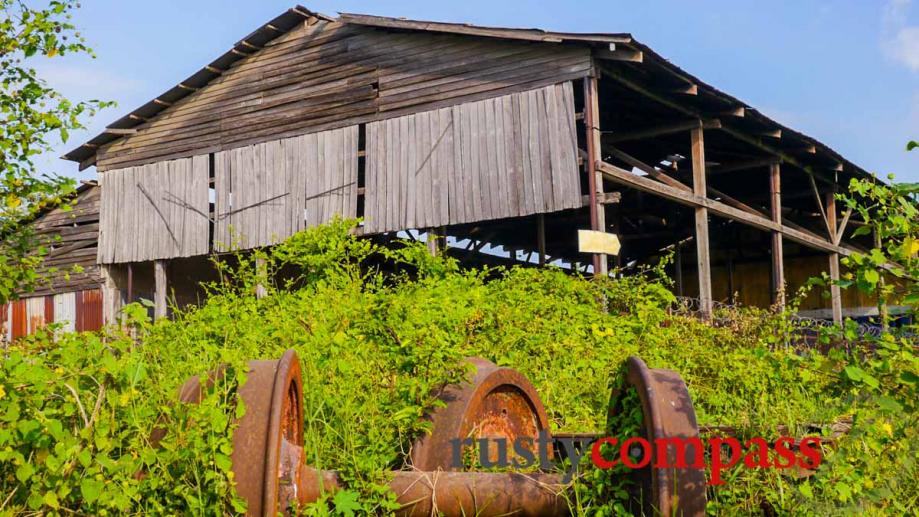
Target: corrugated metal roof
{"type": "Point", "coordinates": [294, 16]}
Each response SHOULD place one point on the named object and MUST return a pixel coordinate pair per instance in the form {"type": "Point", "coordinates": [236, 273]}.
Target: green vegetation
{"type": "Point", "coordinates": [77, 410]}
{"type": "Point", "coordinates": [32, 116]}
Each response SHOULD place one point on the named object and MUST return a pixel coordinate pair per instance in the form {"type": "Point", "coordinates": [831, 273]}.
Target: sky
{"type": "Point", "coordinates": [845, 72]}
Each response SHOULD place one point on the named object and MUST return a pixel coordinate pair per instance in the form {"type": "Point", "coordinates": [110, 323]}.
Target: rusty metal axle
{"type": "Point", "coordinates": [436, 493]}
{"type": "Point", "coordinates": [497, 403]}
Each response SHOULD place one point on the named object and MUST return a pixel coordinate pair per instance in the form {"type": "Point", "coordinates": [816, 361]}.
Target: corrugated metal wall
{"type": "Point", "coordinates": [80, 311]}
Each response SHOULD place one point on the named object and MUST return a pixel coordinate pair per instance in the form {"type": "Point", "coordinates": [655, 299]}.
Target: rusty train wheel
{"type": "Point", "coordinates": [274, 414]}
{"type": "Point", "coordinates": [495, 403]}
{"type": "Point", "coordinates": [668, 413]}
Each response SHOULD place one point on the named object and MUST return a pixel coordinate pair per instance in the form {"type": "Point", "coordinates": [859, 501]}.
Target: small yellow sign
{"type": "Point", "coordinates": [590, 241]}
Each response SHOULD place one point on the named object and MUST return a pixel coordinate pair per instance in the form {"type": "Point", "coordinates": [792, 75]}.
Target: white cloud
{"type": "Point", "coordinates": [899, 39]}
{"type": "Point", "coordinates": [86, 82]}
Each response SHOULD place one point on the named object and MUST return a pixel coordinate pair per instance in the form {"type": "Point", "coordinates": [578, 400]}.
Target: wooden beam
{"type": "Point", "coordinates": [111, 295]}
{"type": "Point", "coordinates": [701, 213]}
{"type": "Point", "coordinates": [679, 127]}
{"type": "Point", "coordinates": [739, 112]}
{"type": "Point", "coordinates": [775, 133]}
{"type": "Point", "coordinates": [260, 269]}
{"type": "Point", "coordinates": [835, 294]}
{"type": "Point", "coordinates": [624, 177]}
{"type": "Point", "coordinates": [778, 261]}
{"type": "Point", "coordinates": [541, 238]}
{"type": "Point", "coordinates": [830, 227]}
{"type": "Point", "coordinates": [594, 176]}
{"type": "Point", "coordinates": [629, 56]}
{"type": "Point", "coordinates": [606, 198]}
{"type": "Point", "coordinates": [751, 164]}
{"type": "Point", "coordinates": [647, 169]}
{"type": "Point", "coordinates": [842, 226]}
{"type": "Point", "coordinates": [678, 269]}
{"type": "Point", "coordinates": [689, 89]}
{"type": "Point", "coordinates": [432, 242]}
{"type": "Point", "coordinates": [740, 135]}
{"type": "Point", "coordinates": [119, 131]}
{"type": "Point", "coordinates": [160, 289]}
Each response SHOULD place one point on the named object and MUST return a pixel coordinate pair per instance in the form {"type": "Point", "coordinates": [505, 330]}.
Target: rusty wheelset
{"type": "Point", "coordinates": [271, 475]}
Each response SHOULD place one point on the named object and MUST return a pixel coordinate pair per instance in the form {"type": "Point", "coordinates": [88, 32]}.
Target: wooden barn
{"type": "Point", "coordinates": [496, 145]}
{"type": "Point", "coordinates": [71, 290]}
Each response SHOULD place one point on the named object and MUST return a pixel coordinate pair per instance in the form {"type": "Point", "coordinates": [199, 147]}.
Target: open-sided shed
{"type": "Point", "coordinates": [498, 144]}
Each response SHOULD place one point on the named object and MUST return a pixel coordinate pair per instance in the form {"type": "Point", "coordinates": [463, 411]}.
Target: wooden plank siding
{"type": "Point", "coordinates": [71, 238]}
{"type": "Point", "coordinates": [332, 75]}
{"type": "Point", "coordinates": [508, 156]}
{"type": "Point", "coordinates": [267, 192]}
{"type": "Point", "coordinates": [155, 211]}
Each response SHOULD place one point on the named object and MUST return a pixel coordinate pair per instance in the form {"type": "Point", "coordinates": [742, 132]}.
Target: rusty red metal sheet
{"type": "Point", "coordinates": [88, 310]}
{"type": "Point", "coordinates": [49, 309]}
{"type": "Point", "coordinates": [19, 323]}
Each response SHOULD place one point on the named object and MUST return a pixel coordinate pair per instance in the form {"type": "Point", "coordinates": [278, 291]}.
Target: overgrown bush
{"type": "Point", "coordinates": [77, 409]}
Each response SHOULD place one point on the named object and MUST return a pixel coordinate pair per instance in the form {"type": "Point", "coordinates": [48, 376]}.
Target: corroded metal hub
{"type": "Point", "coordinates": [496, 403]}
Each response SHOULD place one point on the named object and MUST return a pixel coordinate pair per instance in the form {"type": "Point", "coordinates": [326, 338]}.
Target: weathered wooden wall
{"type": "Point", "coordinates": [269, 191]}
{"type": "Point", "coordinates": [71, 238]}
{"type": "Point", "coordinates": [508, 156]}
{"type": "Point", "coordinates": [155, 211]}
{"type": "Point", "coordinates": [751, 283]}
{"type": "Point", "coordinates": [330, 75]}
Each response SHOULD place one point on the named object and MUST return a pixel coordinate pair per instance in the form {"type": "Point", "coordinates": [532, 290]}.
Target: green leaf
{"type": "Point", "coordinates": [912, 145]}
{"type": "Point", "coordinates": [854, 373]}
{"type": "Point", "coordinates": [91, 489]}
{"type": "Point", "coordinates": [871, 276]}
{"type": "Point", "coordinates": [806, 490]}
{"type": "Point", "coordinates": [889, 404]}
{"type": "Point", "coordinates": [861, 230]}
{"type": "Point", "coordinates": [346, 502]}
{"type": "Point", "coordinates": [24, 472]}
{"type": "Point", "coordinates": [50, 499]}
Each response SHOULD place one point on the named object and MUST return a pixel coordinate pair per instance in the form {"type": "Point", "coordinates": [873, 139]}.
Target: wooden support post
{"type": "Point", "coordinates": [111, 295]}
{"type": "Point", "coordinates": [260, 291]}
{"type": "Point", "coordinates": [730, 266]}
{"type": "Point", "coordinates": [432, 243]}
{"type": "Point", "coordinates": [130, 283]}
{"type": "Point", "coordinates": [594, 177]}
{"type": "Point", "coordinates": [701, 213]}
{"type": "Point", "coordinates": [883, 310]}
{"type": "Point", "coordinates": [541, 238]}
{"type": "Point", "coordinates": [159, 295]}
{"type": "Point", "coordinates": [678, 269]}
{"type": "Point", "coordinates": [835, 294]}
{"type": "Point", "coordinates": [778, 261]}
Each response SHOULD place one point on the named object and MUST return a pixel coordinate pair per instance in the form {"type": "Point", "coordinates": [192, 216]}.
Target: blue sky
{"type": "Point", "coordinates": [845, 72]}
